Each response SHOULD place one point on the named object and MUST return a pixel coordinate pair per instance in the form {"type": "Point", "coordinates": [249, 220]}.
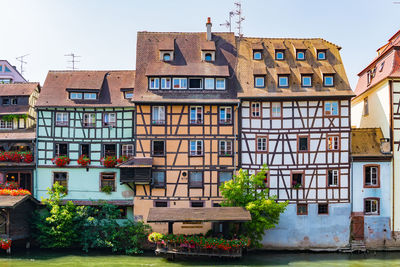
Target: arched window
{"type": "Point", "coordinates": [208, 57]}
{"type": "Point", "coordinates": [167, 57]}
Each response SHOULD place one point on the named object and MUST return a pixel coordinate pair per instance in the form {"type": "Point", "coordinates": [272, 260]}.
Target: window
{"type": "Point", "coordinates": [262, 144]}
{"type": "Point", "coordinates": [6, 101]}
{"type": "Point", "coordinates": [165, 83]}
{"type": "Point", "coordinates": [371, 176]}
{"type": "Point", "coordinates": [328, 80]}
{"type": "Point", "coordinates": [257, 55]}
{"type": "Point", "coordinates": [224, 177]}
{"type": "Point", "coordinates": [61, 119]}
{"type": "Point", "coordinates": [127, 150]}
{"type": "Point", "coordinates": [333, 177]}
{"type": "Point", "coordinates": [381, 66]}
{"type": "Point", "coordinates": [302, 209]}
{"type": "Point", "coordinates": [366, 108]}
{"type": "Point", "coordinates": [283, 81]}
{"type": "Point", "coordinates": [6, 69]}
{"type": "Point", "coordinates": [158, 179]}
{"type": "Point", "coordinates": [75, 96]}
{"type": "Point", "coordinates": [369, 77]}
{"type": "Point", "coordinates": [107, 179]}
{"type": "Point", "coordinates": [333, 142]}
{"type": "Point", "coordinates": [6, 124]}
{"type": "Point", "coordinates": [196, 115]}
{"type": "Point", "coordinates": [195, 179]}
{"type": "Point", "coordinates": [158, 115]}
{"type": "Point", "coordinates": [179, 83]}
{"type": "Point", "coordinates": [196, 148]}
{"type": "Point", "coordinates": [259, 81]}
{"type": "Point", "coordinates": [208, 57]}
{"type": "Point", "coordinates": [85, 149]}
{"type": "Point", "coordinates": [160, 204]}
{"type": "Point", "coordinates": [197, 204]}
{"type": "Point", "coordinates": [220, 83]}
{"type": "Point", "coordinates": [90, 96]}
{"type": "Point", "coordinates": [128, 94]}
{"type": "Point", "coordinates": [276, 110]}
{"type": "Point", "coordinates": [323, 208]}
{"type": "Point", "coordinates": [14, 101]}
{"type": "Point", "coordinates": [371, 206]}
{"type": "Point", "coordinates": [158, 148]}
{"type": "Point", "coordinates": [110, 150]}
{"type": "Point", "coordinates": [297, 180]}
{"type": "Point", "coordinates": [110, 119]}
{"type": "Point", "coordinates": [21, 123]}
{"type": "Point", "coordinates": [331, 108]}
{"type": "Point", "coordinates": [167, 57]}
{"type": "Point", "coordinates": [255, 109]}
{"type": "Point", "coordinates": [195, 83]}
{"type": "Point", "coordinates": [5, 80]}
{"type": "Point", "coordinates": [225, 148]}
{"type": "Point", "coordinates": [209, 83]}
{"type": "Point", "coordinates": [303, 143]}
{"type": "Point", "coordinates": [154, 83]}
{"type": "Point", "coordinates": [61, 150]}
{"type": "Point", "coordinates": [61, 179]}
{"type": "Point", "coordinates": [321, 54]}
{"type": "Point", "coordinates": [300, 54]}
{"type": "Point", "coordinates": [89, 120]}
{"type": "Point", "coordinates": [279, 54]}
{"type": "Point", "coordinates": [306, 80]}
{"type": "Point", "coordinates": [225, 115]}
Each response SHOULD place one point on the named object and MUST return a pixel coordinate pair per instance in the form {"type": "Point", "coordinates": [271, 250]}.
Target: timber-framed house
{"type": "Point", "coordinates": [186, 119]}
{"type": "Point", "coordinates": [295, 117]}
{"type": "Point", "coordinates": [86, 113]}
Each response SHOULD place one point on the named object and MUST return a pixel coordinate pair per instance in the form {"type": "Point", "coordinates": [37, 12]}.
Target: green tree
{"type": "Point", "coordinates": [250, 192]}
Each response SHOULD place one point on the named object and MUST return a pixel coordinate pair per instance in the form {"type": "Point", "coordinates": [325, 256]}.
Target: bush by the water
{"type": "Point", "coordinates": [65, 225]}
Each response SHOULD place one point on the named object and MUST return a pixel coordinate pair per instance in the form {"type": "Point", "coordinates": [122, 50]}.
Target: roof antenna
{"type": "Point", "coordinates": [22, 62]}
{"type": "Point", "coordinates": [238, 12]}
{"type": "Point", "coordinates": [73, 60]}
{"type": "Point", "coordinates": [228, 24]}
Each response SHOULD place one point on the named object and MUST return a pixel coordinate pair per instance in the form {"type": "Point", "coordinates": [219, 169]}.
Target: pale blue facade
{"type": "Point", "coordinates": [311, 231]}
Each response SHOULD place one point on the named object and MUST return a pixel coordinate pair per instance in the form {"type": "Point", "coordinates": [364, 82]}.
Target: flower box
{"type": "Point", "coordinates": [61, 161]}
{"type": "Point", "coordinates": [109, 161]}
{"type": "Point", "coordinates": [83, 160]}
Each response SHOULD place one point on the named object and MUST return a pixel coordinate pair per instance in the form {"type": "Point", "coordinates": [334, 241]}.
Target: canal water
{"type": "Point", "coordinates": [60, 259]}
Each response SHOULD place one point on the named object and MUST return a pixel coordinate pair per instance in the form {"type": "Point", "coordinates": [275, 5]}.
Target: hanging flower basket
{"type": "Point", "coordinates": [122, 159]}
{"type": "Point", "coordinates": [14, 192]}
{"type": "Point", "coordinates": [61, 161]}
{"type": "Point", "coordinates": [9, 185]}
{"type": "Point", "coordinates": [109, 161]}
{"type": "Point", "coordinates": [84, 160]}
{"type": "Point", "coordinates": [5, 243]}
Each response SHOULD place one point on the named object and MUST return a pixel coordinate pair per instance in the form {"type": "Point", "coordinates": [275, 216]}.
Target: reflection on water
{"type": "Point", "coordinates": [58, 258]}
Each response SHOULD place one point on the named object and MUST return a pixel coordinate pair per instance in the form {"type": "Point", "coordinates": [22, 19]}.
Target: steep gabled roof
{"type": "Point", "coordinates": [366, 143]}
{"type": "Point", "coordinates": [109, 84]}
{"type": "Point", "coordinates": [18, 89]}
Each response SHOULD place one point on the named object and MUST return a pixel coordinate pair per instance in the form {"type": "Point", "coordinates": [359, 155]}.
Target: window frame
{"type": "Point", "coordinates": [259, 77]}
{"type": "Point", "coordinates": [259, 109]}
{"type": "Point", "coordinates": [205, 83]}
{"type": "Point", "coordinates": [365, 107]}
{"type": "Point", "coordinates": [378, 176]}
{"type": "Point", "coordinates": [281, 76]}
{"type": "Point", "coordinates": [6, 124]}
{"type": "Point", "coordinates": [75, 93]}
{"type": "Point", "coordinates": [327, 208]}
{"type": "Point", "coordinates": [378, 208]}
{"type": "Point", "coordinates": [196, 78]}
{"type": "Point", "coordinates": [257, 51]}
{"type": "Point", "coordinates": [159, 121]}
{"type": "Point", "coordinates": [298, 143]}
{"type": "Point", "coordinates": [225, 152]}
{"type": "Point", "coordinates": [198, 202]}
{"type": "Point", "coordinates": [126, 94]}
{"type": "Point", "coordinates": [298, 205]}
{"type": "Point", "coordinates": [55, 149]}
{"type": "Point", "coordinates": [179, 79]}
{"type": "Point", "coordinates": [333, 179]}
{"type": "Point", "coordinates": [272, 110]}
{"type": "Point", "coordinates": [62, 123]}
{"type": "Point", "coordinates": [159, 185]}
{"type": "Point", "coordinates": [321, 51]}
{"type": "Point", "coordinates": [160, 201]}
{"type": "Point", "coordinates": [66, 179]}
{"type": "Point", "coordinates": [225, 121]}
{"type": "Point", "coordinates": [331, 109]}
{"type": "Point", "coordinates": [114, 186]}
{"type": "Point", "coordinates": [278, 52]}
{"type": "Point", "coordinates": [153, 150]}
{"type": "Point", "coordinates": [303, 76]}
{"type": "Point", "coordinates": [127, 155]}
{"type": "Point", "coordinates": [89, 94]}
{"type": "Point", "coordinates": [81, 150]}
{"type": "Point", "coordinates": [302, 179]}
{"type": "Point", "coordinates": [156, 83]}
{"type": "Point", "coordinates": [196, 185]}
{"type": "Point", "coordinates": [216, 84]}
{"type": "Point", "coordinates": [266, 143]}
{"type": "Point", "coordinates": [298, 52]}
{"type": "Point", "coordinates": [195, 153]}
{"type": "Point", "coordinates": [165, 82]}
{"type": "Point", "coordinates": [86, 124]}
{"type": "Point", "coordinates": [328, 76]}
{"type": "Point", "coordinates": [104, 149]}
{"type": "Point", "coordinates": [219, 175]}
{"type": "Point", "coordinates": [327, 142]}
{"type": "Point", "coordinates": [196, 121]}
{"type": "Point", "coordinates": [110, 123]}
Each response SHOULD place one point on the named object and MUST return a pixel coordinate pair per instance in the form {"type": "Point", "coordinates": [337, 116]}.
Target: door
{"type": "Point", "coordinates": [357, 227]}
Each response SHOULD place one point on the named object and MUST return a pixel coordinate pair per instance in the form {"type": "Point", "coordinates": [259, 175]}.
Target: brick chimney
{"type": "Point", "coordinates": [208, 25]}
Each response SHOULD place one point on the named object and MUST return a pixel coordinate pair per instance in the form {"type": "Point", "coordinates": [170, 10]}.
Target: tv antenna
{"type": "Point", "coordinates": [22, 62]}
{"type": "Point", "coordinates": [238, 13]}
{"type": "Point", "coordinates": [73, 60]}
{"type": "Point", "coordinates": [227, 23]}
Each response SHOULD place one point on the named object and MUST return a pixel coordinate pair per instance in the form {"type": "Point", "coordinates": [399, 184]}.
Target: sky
{"type": "Point", "coordinates": [103, 32]}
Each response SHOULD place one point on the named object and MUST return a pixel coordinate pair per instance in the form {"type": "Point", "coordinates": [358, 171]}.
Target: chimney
{"type": "Point", "coordinates": [208, 25]}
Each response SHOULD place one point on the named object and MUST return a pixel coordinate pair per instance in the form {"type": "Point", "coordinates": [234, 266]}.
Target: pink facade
{"type": "Point", "coordinates": [9, 73]}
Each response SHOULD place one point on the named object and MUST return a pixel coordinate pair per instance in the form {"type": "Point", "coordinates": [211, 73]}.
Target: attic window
{"type": "Point", "coordinates": [321, 54]}
{"type": "Point", "coordinates": [208, 56]}
{"type": "Point", "coordinates": [128, 94]}
{"type": "Point", "coordinates": [280, 54]}
{"type": "Point", "coordinates": [195, 83]}
{"type": "Point", "coordinates": [90, 96]}
{"type": "Point", "coordinates": [257, 55]}
{"type": "Point", "coordinates": [300, 54]}
{"type": "Point", "coordinates": [167, 55]}
{"type": "Point", "coordinates": [382, 65]}
{"type": "Point", "coordinates": [7, 69]}
{"type": "Point", "coordinates": [75, 96]}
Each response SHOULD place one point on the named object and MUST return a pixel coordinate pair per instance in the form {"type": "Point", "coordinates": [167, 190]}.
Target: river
{"type": "Point", "coordinates": [59, 259]}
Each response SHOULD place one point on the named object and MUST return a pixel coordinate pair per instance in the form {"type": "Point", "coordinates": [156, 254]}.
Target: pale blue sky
{"type": "Point", "coordinates": [104, 32]}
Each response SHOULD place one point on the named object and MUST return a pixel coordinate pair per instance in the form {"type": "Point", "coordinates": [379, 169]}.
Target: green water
{"type": "Point", "coordinates": [47, 259]}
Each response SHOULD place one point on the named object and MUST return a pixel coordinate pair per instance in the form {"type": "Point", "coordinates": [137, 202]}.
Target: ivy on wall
{"type": "Point", "coordinates": [11, 117]}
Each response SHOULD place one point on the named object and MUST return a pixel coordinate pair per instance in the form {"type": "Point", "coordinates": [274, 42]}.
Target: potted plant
{"type": "Point", "coordinates": [296, 185]}
{"type": "Point", "coordinates": [27, 157]}
{"type": "Point", "coordinates": [83, 160]}
{"type": "Point", "coordinates": [122, 159]}
{"type": "Point", "coordinates": [61, 161]}
{"type": "Point", "coordinates": [107, 189]}
{"type": "Point", "coordinates": [109, 161]}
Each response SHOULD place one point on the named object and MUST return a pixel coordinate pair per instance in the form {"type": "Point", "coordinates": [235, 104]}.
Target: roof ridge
{"type": "Point", "coordinates": [72, 71]}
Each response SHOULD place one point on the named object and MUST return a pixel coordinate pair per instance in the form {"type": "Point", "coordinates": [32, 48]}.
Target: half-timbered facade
{"type": "Point", "coordinates": [17, 132]}
{"type": "Point", "coordinates": [186, 120]}
{"type": "Point", "coordinates": [85, 113]}
{"type": "Point", "coordinates": [295, 117]}
{"type": "Point", "coordinates": [377, 105]}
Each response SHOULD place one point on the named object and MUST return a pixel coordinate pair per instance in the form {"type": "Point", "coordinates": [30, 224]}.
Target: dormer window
{"type": "Point", "coordinates": [283, 81]}
{"type": "Point", "coordinates": [257, 55]}
{"type": "Point", "coordinates": [154, 83]}
{"type": "Point", "coordinates": [300, 54]}
{"type": "Point", "coordinates": [280, 54]}
{"type": "Point", "coordinates": [75, 96]}
{"type": "Point", "coordinates": [195, 83]}
{"type": "Point", "coordinates": [167, 55]}
{"type": "Point", "coordinates": [259, 81]}
{"type": "Point", "coordinates": [321, 54]}
{"type": "Point", "coordinates": [328, 80]}
{"type": "Point", "coordinates": [208, 56]}
{"type": "Point", "coordinates": [90, 96]}
{"type": "Point", "coordinates": [128, 94]}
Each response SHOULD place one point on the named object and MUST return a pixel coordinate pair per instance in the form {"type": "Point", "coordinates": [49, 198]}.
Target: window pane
{"type": "Point", "coordinates": [158, 148]}
{"type": "Point", "coordinates": [257, 55]}
{"type": "Point", "coordinates": [283, 81]}
{"type": "Point", "coordinates": [220, 83]}
{"type": "Point", "coordinates": [159, 178]}
{"type": "Point", "coordinates": [196, 179]}
{"type": "Point", "coordinates": [209, 83]}
{"type": "Point", "coordinates": [224, 177]}
{"type": "Point", "coordinates": [195, 83]}
{"type": "Point", "coordinates": [259, 81]}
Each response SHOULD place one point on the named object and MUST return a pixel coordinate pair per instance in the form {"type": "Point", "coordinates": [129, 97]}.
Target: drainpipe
{"type": "Point", "coordinates": [392, 149]}
{"type": "Point", "coordinates": [35, 180]}
{"type": "Point", "coordinates": [236, 134]}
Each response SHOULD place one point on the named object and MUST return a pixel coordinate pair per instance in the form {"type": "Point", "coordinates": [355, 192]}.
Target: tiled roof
{"type": "Point", "coordinates": [13, 201]}
{"type": "Point", "coordinates": [18, 89]}
{"type": "Point", "coordinates": [21, 134]}
{"type": "Point", "coordinates": [187, 62]}
{"type": "Point", "coordinates": [109, 83]}
{"type": "Point", "coordinates": [366, 142]}
{"type": "Point", "coordinates": [248, 67]}
{"type": "Point", "coordinates": [11, 109]}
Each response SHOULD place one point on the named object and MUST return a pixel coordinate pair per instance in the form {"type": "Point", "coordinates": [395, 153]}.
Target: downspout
{"type": "Point", "coordinates": [35, 180]}
{"type": "Point", "coordinates": [236, 139]}
{"type": "Point", "coordinates": [392, 149]}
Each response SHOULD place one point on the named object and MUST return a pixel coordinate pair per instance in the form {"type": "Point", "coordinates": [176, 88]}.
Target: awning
{"type": "Point", "coordinates": [137, 162]}
{"type": "Point", "coordinates": [216, 214]}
